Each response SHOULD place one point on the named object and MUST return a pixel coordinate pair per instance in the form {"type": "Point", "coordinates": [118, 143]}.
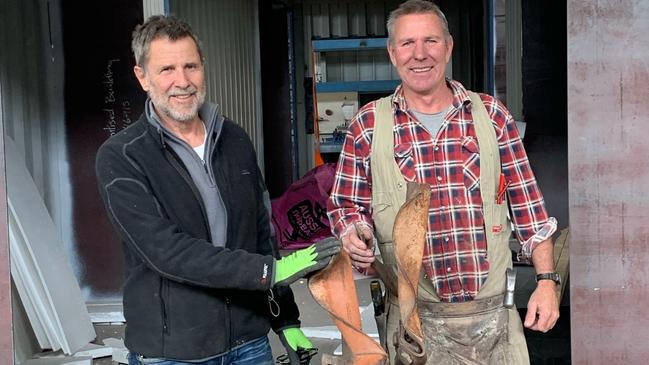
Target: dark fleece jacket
{"type": "Point", "coordinates": [183, 297]}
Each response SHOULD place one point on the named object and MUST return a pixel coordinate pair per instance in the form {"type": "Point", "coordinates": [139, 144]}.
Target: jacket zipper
{"type": "Point", "coordinates": [183, 173]}
{"type": "Point", "coordinates": [163, 305]}
{"type": "Point", "coordinates": [228, 322]}
{"type": "Point", "coordinates": [218, 176]}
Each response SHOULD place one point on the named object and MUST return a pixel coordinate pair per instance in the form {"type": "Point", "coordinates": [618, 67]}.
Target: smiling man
{"type": "Point", "coordinates": [204, 280]}
{"type": "Point", "coordinates": [466, 147]}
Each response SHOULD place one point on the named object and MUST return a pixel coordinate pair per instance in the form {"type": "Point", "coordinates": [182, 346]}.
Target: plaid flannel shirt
{"type": "Point", "coordinates": [449, 161]}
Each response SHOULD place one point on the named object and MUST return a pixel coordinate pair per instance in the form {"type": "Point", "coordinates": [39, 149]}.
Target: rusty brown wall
{"type": "Point", "coordinates": [6, 333]}
{"type": "Point", "coordinates": [608, 137]}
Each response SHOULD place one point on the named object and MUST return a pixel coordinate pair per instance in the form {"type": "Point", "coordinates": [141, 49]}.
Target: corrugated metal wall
{"type": "Point", "coordinates": [347, 18]}
{"type": "Point", "coordinates": [330, 19]}
{"type": "Point", "coordinates": [228, 30]}
{"type": "Point", "coordinates": [153, 7]}
{"type": "Point", "coordinates": [513, 30]}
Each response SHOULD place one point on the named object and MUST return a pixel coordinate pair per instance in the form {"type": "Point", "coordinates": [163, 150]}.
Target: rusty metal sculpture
{"type": "Point", "coordinates": [409, 235]}
{"type": "Point", "coordinates": [334, 289]}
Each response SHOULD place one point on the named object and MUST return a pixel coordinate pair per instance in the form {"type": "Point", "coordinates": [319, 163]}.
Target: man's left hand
{"type": "Point", "coordinates": [294, 339]}
{"type": "Point", "coordinates": [543, 307]}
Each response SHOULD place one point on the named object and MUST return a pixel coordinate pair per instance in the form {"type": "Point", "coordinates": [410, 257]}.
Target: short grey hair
{"type": "Point", "coordinates": [416, 7]}
{"type": "Point", "coordinates": [156, 27]}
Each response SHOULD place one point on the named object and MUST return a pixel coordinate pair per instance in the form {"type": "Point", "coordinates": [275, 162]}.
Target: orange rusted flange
{"type": "Point", "coordinates": [334, 289]}
{"type": "Point", "coordinates": [409, 235]}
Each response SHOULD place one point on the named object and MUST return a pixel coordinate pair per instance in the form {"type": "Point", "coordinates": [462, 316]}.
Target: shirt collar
{"type": "Point", "coordinates": [460, 95]}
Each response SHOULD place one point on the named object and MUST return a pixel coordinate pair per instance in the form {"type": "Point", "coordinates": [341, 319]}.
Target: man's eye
{"type": "Point", "coordinates": [407, 43]}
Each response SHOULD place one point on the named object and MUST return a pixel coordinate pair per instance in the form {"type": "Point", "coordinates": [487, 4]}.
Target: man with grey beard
{"type": "Point", "coordinates": [204, 280]}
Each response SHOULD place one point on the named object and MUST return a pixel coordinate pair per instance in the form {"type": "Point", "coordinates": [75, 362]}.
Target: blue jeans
{"type": "Point", "coordinates": [255, 352]}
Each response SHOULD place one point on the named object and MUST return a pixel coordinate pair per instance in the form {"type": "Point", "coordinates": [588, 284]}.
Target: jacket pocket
{"type": "Point", "coordinates": [164, 305]}
{"type": "Point", "coordinates": [501, 214]}
{"type": "Point", "coordinates": [471, 162]}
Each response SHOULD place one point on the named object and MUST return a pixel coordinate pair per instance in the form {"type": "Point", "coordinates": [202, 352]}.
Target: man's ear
{"type": "Point", "coordinates": [449, 48]}
{"type": "Point", "coordinates": [141, 77]}
{"type": "Point", "coordinates": [391, 53]}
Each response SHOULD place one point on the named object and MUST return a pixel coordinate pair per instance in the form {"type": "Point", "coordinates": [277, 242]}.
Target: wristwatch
{"type": "Point", "coordinates": [554, 276]}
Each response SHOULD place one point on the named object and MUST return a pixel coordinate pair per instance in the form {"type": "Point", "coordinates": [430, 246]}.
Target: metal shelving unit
{"type": "Point", "coordinates": [349, 65]}
{"type": "Point", "coordinates": [349, 44]}
{"type": "Point", "coordinates": [358, 86]}
{"type": "Point", "coordinates": [353, 64]}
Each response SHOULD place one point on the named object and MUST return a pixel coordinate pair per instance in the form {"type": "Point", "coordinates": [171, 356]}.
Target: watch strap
{"type": "Point", "coordinates": [549, 276]}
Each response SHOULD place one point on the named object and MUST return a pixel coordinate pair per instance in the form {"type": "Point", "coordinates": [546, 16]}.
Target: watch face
{"type": "Point", "coordinates": [556, 278]}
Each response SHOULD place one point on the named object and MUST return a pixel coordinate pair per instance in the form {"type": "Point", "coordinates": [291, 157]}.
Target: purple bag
{"type": "Point", "coordinates": [300, 214]}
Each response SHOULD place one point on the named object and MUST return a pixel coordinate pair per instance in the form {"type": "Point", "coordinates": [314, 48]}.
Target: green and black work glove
{"type": "Point", "coordinates": [305, 261]}
{"type": "Point", "coordinates": [299, 349]}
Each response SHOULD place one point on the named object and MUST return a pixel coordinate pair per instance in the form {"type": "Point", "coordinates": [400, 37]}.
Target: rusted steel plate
{"type": "Point", "coordinates": [6, 333]}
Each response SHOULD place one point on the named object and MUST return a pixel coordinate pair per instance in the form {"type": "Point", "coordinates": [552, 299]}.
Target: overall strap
{"type": "Point", "coordinates": [389, 189]}
{"type": "Point", "coordinates": [388, 184]}
{"type": "Point", "coordinates": [496, 224]}
{"type": "Point", "coordinates": [489, 161]}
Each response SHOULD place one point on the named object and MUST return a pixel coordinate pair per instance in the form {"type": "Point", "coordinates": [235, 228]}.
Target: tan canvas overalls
{"type": "Point", "coordinates": [478, 332]}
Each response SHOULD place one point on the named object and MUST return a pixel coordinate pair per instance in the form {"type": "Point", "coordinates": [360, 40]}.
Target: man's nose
{"type": "Point", "coordinates": [181, 80]}
{"type": "Point", "coordinates": [420, 50]}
